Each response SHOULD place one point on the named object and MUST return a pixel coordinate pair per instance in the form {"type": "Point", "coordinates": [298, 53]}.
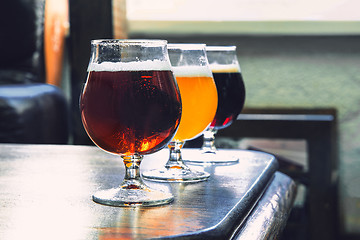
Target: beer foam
{"type": "Point", "coordinates": [225, 67]}
{"type": "Point", "coordinates": [130, 66]}
{"type": "Point", "coordinates": [192, 71]}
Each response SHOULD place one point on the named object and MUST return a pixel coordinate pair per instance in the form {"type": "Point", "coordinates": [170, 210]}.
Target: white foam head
{"type": "Point", "coordinates": [192, 71]}
{"type": "Point", "coordinates": [149, 65]}
{"type": "Point", "coordinates": [225, 67]}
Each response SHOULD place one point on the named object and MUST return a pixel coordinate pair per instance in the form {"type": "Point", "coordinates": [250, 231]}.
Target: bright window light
{"type": "Point", "coordinates": [243, 10]}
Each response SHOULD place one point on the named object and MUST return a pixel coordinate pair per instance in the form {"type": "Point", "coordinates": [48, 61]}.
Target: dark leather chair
{"type": "Point", "coordinates": [31, 111]}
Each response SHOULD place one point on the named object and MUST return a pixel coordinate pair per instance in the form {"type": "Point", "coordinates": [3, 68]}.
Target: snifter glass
{"type": "Point", "coordinates": [130, 106]}
{"type": "Point", "coordinates": [226, 70]}
{"type": "Point", "coordinates": [199, 103]}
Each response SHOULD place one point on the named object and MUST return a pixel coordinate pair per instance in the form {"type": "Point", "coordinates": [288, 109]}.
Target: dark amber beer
{"type": "Point", "coordinates": [231, 97]}
{"type": "Point", "coordinates": [130, 106]}
{"type": "Point", "coordinates": [134, 115]}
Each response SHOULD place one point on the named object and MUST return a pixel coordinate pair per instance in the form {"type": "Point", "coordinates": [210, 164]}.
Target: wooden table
{"type": "Point", "coordinates": [45, 193]}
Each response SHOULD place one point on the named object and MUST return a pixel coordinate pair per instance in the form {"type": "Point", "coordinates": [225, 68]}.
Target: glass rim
{"type": "Point", "coordinates": [220, 48]}
{"type": "Point", "coordinates": [187, 46]}
{"type": "Point", "coordinates": [129, 41]}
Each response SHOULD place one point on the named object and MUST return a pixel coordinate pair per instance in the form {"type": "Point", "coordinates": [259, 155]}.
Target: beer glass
{"type": "Point", "coordinates": [199, 104]}
{"type": "Point", "coordinates": [130, 106]}
{"type": "Point", "coordinates": [226, 70]}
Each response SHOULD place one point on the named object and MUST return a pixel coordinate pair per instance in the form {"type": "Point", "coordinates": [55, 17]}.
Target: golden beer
{"type": "Point", "coordinates": [199, 101]}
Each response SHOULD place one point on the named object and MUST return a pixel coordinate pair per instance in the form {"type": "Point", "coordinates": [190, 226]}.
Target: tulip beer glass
{"type": "Point", "coordinates": [199, 103]}
{"type": "Point", "coordinates": [225, 67]}
{"type": "Point", "coordinates": [130, 106]}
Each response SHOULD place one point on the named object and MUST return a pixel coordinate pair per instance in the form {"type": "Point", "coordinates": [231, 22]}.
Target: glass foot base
{"type": "Point", "coordinates": [217, 157]}
{"type": "Point", "coordinates": [132, 197]}
{"type": "Point", "coordinates": [175, 175]}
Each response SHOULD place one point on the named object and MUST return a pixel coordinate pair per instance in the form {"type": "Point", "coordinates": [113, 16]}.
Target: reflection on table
{"type": "Point", "coordinates": [45, 193]}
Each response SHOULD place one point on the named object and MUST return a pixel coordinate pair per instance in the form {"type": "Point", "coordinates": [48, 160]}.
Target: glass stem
{"type": "Point", "coordinates": [209, 141]}
{"type": "Point", "coordinates": [132, 179]}
{"type": "Point", "coordinates": [175, 159]}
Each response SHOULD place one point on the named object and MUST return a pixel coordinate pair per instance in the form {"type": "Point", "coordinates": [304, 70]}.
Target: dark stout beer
{"type": "Point", "coordinates": [231, 98]}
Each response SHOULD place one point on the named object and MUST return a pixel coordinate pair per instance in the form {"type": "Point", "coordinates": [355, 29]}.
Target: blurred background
{"type": "Point", "coordinates": [293, 55]}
